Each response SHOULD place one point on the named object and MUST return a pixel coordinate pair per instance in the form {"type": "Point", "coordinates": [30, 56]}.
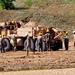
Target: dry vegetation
{"type": "Point", "coordinates": [61, 16]}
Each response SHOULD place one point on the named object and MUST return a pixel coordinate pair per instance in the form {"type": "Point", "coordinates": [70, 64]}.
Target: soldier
{"type": "Point", "coordinates": [28, 44]}
{"type": "Point", "coordinates": [34, 41]}
{"type": "Point", "coordinates": [39, 41]}
{"type": "Point", "coordinates": [66, 41]}
{"type": "Point", "coordinates": [47, 39]}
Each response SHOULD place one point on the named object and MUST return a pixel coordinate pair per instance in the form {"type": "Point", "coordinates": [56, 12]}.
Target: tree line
{"type": "Point", "coordinates": [8, 4]}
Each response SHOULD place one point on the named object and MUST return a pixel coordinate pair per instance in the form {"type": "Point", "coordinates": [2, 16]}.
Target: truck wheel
{"type": "Point", "coordinates": [37, 47]}
{"type": "Point", "coordinates": [54, 46]}
{"type": "Point", "coordinates": [7, 44]}
{"type": "Point", "coordinates": [31, 44]}
{"type": "Point", "coordinates": [58, 45]}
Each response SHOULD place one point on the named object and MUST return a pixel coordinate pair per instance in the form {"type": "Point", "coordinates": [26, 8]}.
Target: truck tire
{"type": "Point", "coordinates": [31, 46]}
{"type": "Point", "coordinates": [7, 44]}
{"type": "Point", "coordinates": [43, 46]}
{"type": "Point", "coordinates": [54, 46]}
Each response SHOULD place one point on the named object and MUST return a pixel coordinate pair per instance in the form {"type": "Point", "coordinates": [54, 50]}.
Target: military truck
{"type": "Point", "coordinates": [16, 37]}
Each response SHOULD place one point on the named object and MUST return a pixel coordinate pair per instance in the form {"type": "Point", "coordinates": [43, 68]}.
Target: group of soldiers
{"type": "Point", "coordinates": [45, 38]}
{"type": "Point", "coordinates": [47, 41]}
{"type": "Point", "coordinates": [43, 41]}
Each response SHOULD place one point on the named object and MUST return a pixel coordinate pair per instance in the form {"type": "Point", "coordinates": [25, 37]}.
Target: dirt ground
{"type": "Point", "coordinates": [40, 60]}
{"type": "Point", "coordinates": [70, 71]}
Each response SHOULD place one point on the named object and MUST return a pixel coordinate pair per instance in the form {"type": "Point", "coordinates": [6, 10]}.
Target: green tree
{"type": "Point", "coordinates": [1, 5]}
{"type": "Point", "coordinates": [6, 4]}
